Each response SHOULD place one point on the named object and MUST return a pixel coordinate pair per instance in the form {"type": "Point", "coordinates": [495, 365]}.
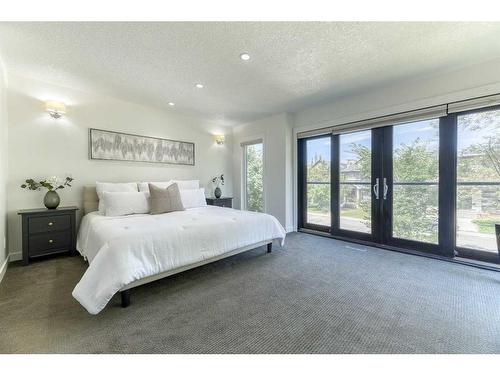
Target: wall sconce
{"type": "Point", "coordinates": [55, 109]}
{"type": "Point", "coordinates": [220, 139]}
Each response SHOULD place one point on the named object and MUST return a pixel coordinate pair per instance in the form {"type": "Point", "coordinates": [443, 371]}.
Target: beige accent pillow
{"type": "Point", "coordinates": [166, 199]}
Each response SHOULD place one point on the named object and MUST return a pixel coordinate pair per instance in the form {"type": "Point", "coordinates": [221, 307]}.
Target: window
{"type": "Point", "coordinates": [318, 154]}
{"type": "Point", "coordinates": [426, 180]}
{"type": "Point", "coordinates": [253, 157]}
{"type": "Point", "coordinates": [355, 181]}
{"type": "Point", "coordinates": [415, 154]}
{"type": "Point", "coordinates": [478, 180]}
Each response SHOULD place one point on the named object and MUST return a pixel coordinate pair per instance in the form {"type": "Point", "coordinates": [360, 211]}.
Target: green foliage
{"type": "Point", "coordinates": [415, 213]}
{"type": "Point", "coordinates": [51, 184]}
{"type": "Point", "coordinates": [356, 213]}
{"type": "Point", "coordinates": [415, 207]}
{"type": "Point", "coordinates": [318, 195]}
{"type": "Point", "coordinates": [255, 177]}
{"type": "Point", "coordinates": [31, 184]}
{"type": "Point", "coordinates": [415, 163]}
{"type": "Point", "coordinates": [363, 162]}
{"type": "Point", "coordinates": [318, 198]}
{"type": "Point", "coordinates": [485, 225]}
{"type": "Point", "coordinates": [319, 170]}
{"type": "Point", "coordinates": [218, 180]}
{"type": "Point", "coordinates": [483, 161]}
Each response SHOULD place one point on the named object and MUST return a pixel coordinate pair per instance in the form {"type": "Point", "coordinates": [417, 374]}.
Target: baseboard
{"type": "Point", "coordinates": [3, 268]}
{"type": "Point", "coordinates": [15, 256]}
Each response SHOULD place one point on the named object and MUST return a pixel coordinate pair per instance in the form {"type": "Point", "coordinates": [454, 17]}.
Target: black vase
{"type": "Point", "coordinates": [217, 192]}
{"type": "Point", "coordinates": [51, 200]}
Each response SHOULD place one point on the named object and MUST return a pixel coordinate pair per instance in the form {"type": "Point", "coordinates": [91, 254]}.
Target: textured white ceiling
{"type": "Point", "coordinates": [293, 65]}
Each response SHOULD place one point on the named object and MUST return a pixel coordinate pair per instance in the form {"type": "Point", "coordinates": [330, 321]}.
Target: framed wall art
{"type": "Point", "coordinates": [109, 145]}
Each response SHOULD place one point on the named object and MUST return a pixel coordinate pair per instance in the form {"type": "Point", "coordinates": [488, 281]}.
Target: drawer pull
{"type": "Point", "coordinates": [51, 223]}
{"type": "Point", "coordinates": [50, 241]}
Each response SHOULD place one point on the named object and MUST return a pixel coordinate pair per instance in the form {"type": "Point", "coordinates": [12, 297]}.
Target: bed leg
{"type": "Point", "coordinates": [125, 298]}
{"type": "Point", "coordinates": [269, 247]}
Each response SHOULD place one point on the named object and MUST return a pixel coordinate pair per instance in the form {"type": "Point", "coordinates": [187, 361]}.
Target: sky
{"type": "Point", "coordinates": [426, 130]}
{"type": "Point", "coordinates": [403, 134]}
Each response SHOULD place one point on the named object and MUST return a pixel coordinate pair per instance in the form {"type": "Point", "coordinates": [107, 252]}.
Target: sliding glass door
{"type": "Point", "coordinates": [430, 185]}
{"type": "Point", "coordinates": [355, 182]}
{"type": "Point", "coordinates": [478, 184]}
{"type": "Point", "coordinates": [317, 183]}
{"type": "Point", "coordinates": [410, 185]}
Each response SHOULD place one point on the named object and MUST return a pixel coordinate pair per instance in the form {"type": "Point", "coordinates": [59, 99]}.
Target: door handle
{"type": "Point", "coordinates": [385, 188]}
{"type": "Point", "coordinates": [375, 188]}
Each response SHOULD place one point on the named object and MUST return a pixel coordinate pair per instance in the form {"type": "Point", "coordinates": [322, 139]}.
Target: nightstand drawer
{"type": "Point", "coordinates": [220, 202]}
{"type": "Point", "coordinates": [49, 223]}
{"type": "Point", "coordinates": [224, 203]}
{"type": "Point", "coordinates": [45, 243]}
{"type": "Point", "coordinates": [48, 232]}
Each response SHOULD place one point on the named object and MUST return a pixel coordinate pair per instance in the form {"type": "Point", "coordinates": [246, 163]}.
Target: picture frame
{"type": "Point", "coordinates": [119, 146]}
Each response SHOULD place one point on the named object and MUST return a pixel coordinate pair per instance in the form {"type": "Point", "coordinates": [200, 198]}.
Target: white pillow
{"type": "Point", "coordinates": [192, 198]}
{"type": "Point", "coordinates": [187, 184]}
{"type": "Point", "coordinates": [126, 203]}
{"type": "Point", "coordinates": [144, 186]}
{"type": "Point", "coordinates": [110, 187]}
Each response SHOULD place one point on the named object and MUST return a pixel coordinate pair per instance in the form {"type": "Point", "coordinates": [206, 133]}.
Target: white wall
{"type": "Point", "coordinates": [40, 146]}
{"type": "Point", "coordinates": [276, 133]}
{"type": "Point", "coordinates": [3, 170]}
{"type": "Point", "coordinates": [465, 83]}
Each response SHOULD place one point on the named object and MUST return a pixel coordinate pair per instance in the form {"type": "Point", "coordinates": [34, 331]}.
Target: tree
{"type": "Point", "coordinates": [255, 168]}
{"type": "Point", "coordinates": [415, 213]}
{"type": "Point", "coordinates": [416, 177]}
{"type": "Point", "coordinates": [318, 195]}
{"type": "Point", "coordinates": [481, 161]}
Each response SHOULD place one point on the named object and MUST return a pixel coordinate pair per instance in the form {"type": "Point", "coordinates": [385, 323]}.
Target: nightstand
{"type": "Point", "coordinates": [48, 232]}
{"type": "Point", "coordinates": [221, 202]}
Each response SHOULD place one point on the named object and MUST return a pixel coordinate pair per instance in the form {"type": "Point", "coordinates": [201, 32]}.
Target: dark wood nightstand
{"type": "Point", "coordinates": [221, 202]}
{"type": "Point", "coordinates": [48, 232]}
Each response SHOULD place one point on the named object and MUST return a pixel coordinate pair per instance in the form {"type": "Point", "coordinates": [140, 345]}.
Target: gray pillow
{"type": "Point", "coordinates": [165, 199]}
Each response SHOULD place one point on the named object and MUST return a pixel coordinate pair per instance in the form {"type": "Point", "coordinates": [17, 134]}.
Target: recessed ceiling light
{"type": "Point", "coordinates": [171, 104]}
{"type": "Point", "coordinates": [245, 56]}
{"type": "Point", "coordinates": [199, 86]}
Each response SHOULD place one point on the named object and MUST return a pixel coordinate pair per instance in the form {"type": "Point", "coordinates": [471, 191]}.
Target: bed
{"type": "Point", "coordinates": [127, 251]}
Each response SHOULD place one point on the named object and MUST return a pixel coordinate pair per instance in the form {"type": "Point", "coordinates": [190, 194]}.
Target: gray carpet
{"type": "Point", "coordinates": [316, 295]}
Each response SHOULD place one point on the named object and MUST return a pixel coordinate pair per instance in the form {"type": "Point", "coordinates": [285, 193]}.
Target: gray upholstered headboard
{"type": "Point", "coordinates": [90, 199]}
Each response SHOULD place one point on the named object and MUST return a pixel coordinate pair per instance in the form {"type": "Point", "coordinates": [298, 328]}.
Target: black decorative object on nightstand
{"type": "Point", "coordinates": [221, 202]}
{"type": "Point", "coordinates": [48, 232]}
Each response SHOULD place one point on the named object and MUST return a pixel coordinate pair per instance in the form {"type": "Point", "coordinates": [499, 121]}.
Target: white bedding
{"type": "Point", "coordinates": [123, 249]}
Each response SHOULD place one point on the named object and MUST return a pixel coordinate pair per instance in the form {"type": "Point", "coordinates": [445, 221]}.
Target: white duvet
{"type": "Point", "coordinates": [123, 249]}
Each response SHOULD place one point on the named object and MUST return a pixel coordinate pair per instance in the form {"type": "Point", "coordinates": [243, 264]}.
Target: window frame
{"type": "Point", "coordinates": [387, 222]}
{"type": "Point", "coordinates": [460, 251]}
{"type": "Point", "coordinates": [382, 138]}
{"type": "Point", "coordinates": [302, 190]}
{"type": "Point", "coordinates": [244, 145]}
